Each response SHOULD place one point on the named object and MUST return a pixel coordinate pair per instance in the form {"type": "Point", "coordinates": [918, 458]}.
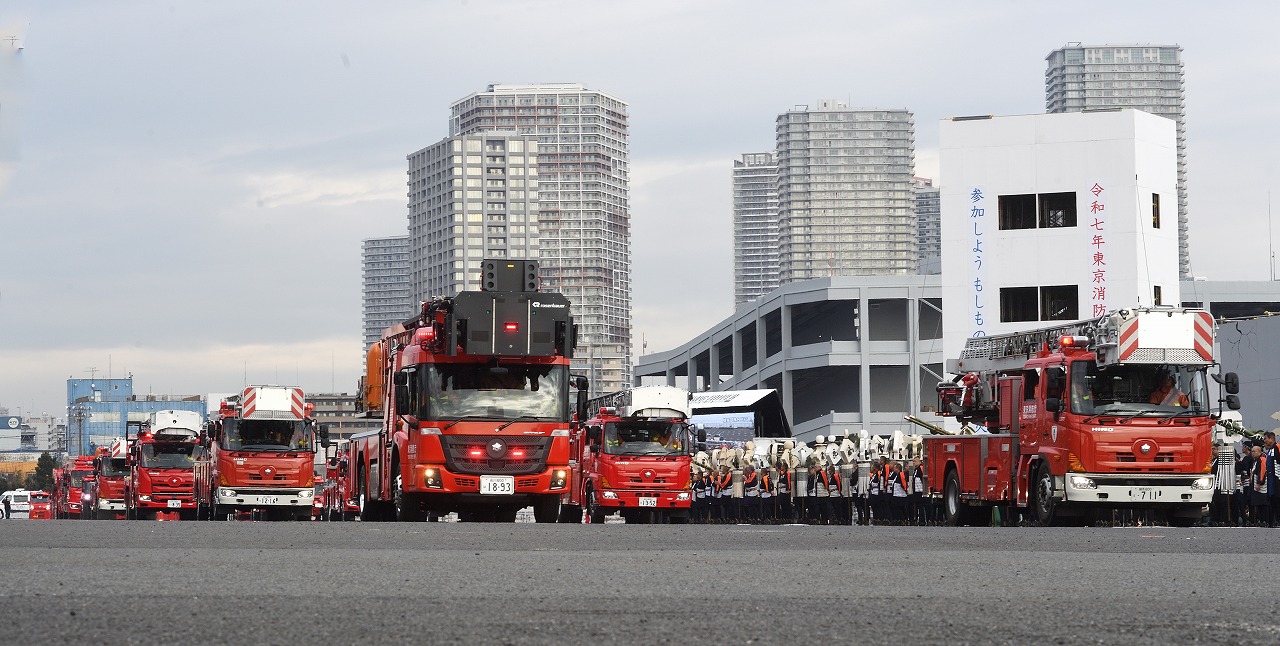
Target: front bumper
{"type": "Point", "coordinates": [263, 497]}
{"type": "Point", "coordinates": [1135, 489]}
{"type": "Point", "coordinates": [108, 504]}
{"type": "Point", "coordinates": [167, 504]}
{"type": "Point", "coordinates": [552, 480]}
{"type": "Point", "coordinates": [631, 499]}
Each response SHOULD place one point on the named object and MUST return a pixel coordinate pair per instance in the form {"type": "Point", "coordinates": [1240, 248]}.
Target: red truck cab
{"type": "Point", "coordinates": [634, 458]}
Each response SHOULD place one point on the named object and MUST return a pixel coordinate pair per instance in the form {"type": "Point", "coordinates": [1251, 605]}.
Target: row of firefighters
{"type": "Point", "coordinates": [882, 492]}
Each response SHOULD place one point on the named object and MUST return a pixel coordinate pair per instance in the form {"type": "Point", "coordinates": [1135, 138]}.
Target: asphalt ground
{"type": "Point", "coordinates": [121, 582]}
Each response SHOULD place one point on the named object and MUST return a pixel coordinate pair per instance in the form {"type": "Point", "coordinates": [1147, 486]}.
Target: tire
{"type": "Point", "coordinates": [594, 512]}
{"type": "Point", "coordinates": [571, 514]}
{"type": "Point", "coordinates": [953, 508]}
{"type": "Point", "coordinates": [546, 509]}
{"type": "Point", "coordinates": [1189, 517]}
{"type": "Point", "coordinates": [1046, 509]}
{"type": "Point", "coordinates": [407, 506]}
{"type": "Point", "coordinates": [368, 508]}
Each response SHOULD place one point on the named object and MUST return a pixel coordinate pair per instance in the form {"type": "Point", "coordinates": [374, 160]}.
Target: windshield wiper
{"type": "Point", "coordinates": [522, 417]}
{"type": "Point", "coordinates": [1194, 412]}
{"type": "Point", "coordinates": [463, 418]}
{"type": "Point", "coordinates": [1140, 413]}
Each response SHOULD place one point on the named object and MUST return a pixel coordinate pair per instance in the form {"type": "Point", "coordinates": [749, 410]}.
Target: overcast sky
{"type": "Point", "coordinates": [184, 186]}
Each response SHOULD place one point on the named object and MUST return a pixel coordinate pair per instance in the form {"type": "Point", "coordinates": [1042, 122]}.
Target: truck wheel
{"type": "Point", "coordinates": [571, 514]}
{"type": "Point", "coordinates": [408, 506]}
{"type": "Point", "coordinates": [593, 508]}
{"type": "Point", "coordinates": [952, 506]}
{"type": "Point", "coordinates": [1045, 506]}
{"type": "Point", "coordinates": [546, 509]}
{"type": "Point", "coordinates": [368, 508]}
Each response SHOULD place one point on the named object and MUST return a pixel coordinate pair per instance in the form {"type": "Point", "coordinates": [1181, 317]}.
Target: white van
{"type": "Point", "coordinates": [19, 503]}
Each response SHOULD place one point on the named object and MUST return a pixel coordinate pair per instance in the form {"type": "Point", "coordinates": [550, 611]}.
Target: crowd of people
{"type": "Point", "coordinates": [888, 492]}
{"type": "Point", "coordinates": [1257, 486]}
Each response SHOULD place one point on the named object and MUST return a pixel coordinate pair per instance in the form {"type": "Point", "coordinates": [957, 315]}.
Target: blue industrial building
{"type": "Point", "coordinates": [99, 410]}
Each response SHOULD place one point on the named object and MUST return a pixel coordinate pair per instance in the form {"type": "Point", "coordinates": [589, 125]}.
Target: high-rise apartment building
{"type": "Point", "coordinates": [471, 197]}
{"type": "Point", "coordinates": [928, 226]}
{"type": "Point", "coordinates": [755, 226]}
{"type": "Point", "coordinates": [584, 228]}
{"type": "Point", "coordinates": [846, 204]}
{"type": "Point", "coordinates": [386, 295]}
{"type": "Point", "coordinates": [1142, 77]}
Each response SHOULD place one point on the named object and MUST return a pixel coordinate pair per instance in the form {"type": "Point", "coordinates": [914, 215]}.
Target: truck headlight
{"type": "Point", "coordinates": [558, 479]}
{"type": "Point", "coordinates": [609, 495]}
{"type": "Point", "coordinates": [306, 493]}
{"type": "Point", "coordinates": [144, 498]}
{"type": "Point", "coordinates": [1203, 484]}
{"type": "Point", "coordinates": [226, 493]}
{"type": "Point", "coordinates": [1081, 482]}
{"type": "Point", "coordinates": [431, 478]}
{"type": "Point", "coordinates": [683, 495]}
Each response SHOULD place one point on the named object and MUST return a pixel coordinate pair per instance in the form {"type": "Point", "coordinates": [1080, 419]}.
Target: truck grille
{"type": "Point", "coordinates": [474, 454]}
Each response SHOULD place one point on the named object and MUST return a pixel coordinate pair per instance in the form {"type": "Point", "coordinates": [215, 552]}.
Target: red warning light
{"type": "Point", "coordinates": [511, 327]}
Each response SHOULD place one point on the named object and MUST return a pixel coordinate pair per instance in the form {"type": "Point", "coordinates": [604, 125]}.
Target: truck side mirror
{"type": "Point", "coordinates": [593, 434]}
{"type": "Point", "coordinates": [702, 436]}
{"type": "Point", "coordinates": [594, 448]}
{"type": "Point", "coordinates": [1233, 402]}
{"type": "Point", "coordinates": [1232, 382]}
{"type": "Point", "coordinates": [323, 431]}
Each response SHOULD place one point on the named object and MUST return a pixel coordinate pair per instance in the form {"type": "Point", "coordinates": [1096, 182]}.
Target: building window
{"type": "Point", "coordinates": [1018, 304]}
{"type": "Point", "coordinates": [1155, 296]}
{"type": "Point", "coordinates": [1059, 303]}
{"type": "Point", "coordinates": [1057, 210]}
{"type": "Point", "coordinates": [1017, 212]}
{"type": "Point", "coordinates": [1155, 210]}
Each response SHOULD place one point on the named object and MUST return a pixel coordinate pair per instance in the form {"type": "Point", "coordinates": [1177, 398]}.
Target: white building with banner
{"type": "Point", "coordinates": [1055, 217]}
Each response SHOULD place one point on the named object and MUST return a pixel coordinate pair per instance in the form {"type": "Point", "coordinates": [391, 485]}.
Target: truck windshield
{"type": "Point", "coordinates": [40, 497]}
{"type": "Point", "coordinates": [645, 438]}
{"type": "Point", "coordinates": [167, 456]}
{"type": "Point", "coordinates": [451, 391]}
{"type": "Point", "coordinates": [113, 467]}
{"type": "Point", "coordinates": [77, 478]}
{"type": "Point", "coordinates": [264, 435]}
{"type": "Point", "coordinates": [1160, 390]}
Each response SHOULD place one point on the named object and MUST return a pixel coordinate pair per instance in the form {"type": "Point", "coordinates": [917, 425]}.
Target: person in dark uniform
{"type": "Point", "coordinates": [750, 495]}
{"type": "Point", "coordinates": [1260, 500]}
{"type": "Point", "coordinates": [782, 494]}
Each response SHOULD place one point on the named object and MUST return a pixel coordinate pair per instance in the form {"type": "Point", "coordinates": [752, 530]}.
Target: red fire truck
{"type": "Point", "coordinates": [1113, 412]}
{"type": "Point", "coordinates": [260, 457]}
{"type": "Point", "coordinates": [104, 494]}
{"type": "Point", "coordinates": [477, 418]}
{"type": "Point", "coordinates": [68, 481]}
{"type": "Point", "coordinates": [633, 457]}
{"type": "Point", "coordinates": [162, 462]}
{"type": "Point", "coordinates": [41, 506]}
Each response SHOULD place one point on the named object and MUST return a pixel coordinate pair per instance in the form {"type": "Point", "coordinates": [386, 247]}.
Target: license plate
{"type": "Point", "coordinates": [1145, 493]}
{"type": "Point", "coordinates": [500, 485]}
{"type": "Point", "coordinates": [269, 500]}
{"type": "Point", "coordinates": [648, 502]}
{"type": "Point", "coordinates": [175, 504]}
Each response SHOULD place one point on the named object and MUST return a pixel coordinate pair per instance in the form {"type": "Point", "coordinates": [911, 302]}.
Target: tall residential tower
{"type": "Point", "coordinates": [1142, 77]}
{"type": "Point", "coordinates": [755, 226]}
{"type": "Point", "coordinates": [386, 295]}
{"type": "Point", "coordinates": [584, 227]}
{"type": "Point", "coordinates": [471, 197]}
{"type": "Point", "coordinates": [845, 192]}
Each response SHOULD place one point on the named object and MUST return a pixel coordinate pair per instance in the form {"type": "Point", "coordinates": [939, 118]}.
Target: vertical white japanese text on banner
{"type": "Point", "coordinates": [978, 221]}
{"type": "Point", "coordinates": [1098, 251]}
